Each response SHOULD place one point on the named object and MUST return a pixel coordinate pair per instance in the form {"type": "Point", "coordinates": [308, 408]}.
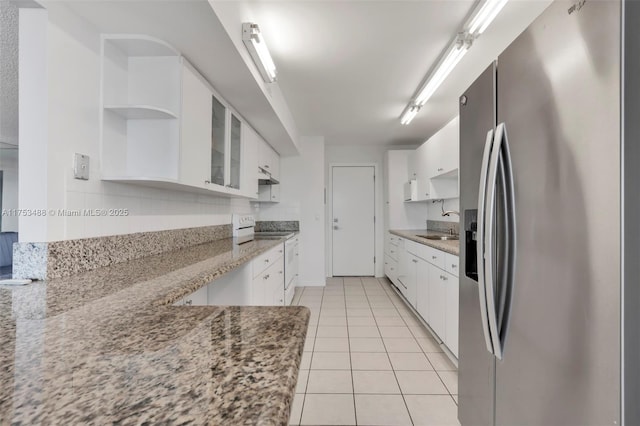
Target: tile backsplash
{"type": "Point", "coordinates": [442, 226]}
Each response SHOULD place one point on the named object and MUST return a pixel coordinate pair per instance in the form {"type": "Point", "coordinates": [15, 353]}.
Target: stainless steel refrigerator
{"type": "Point", "coordinates": [549, 187]}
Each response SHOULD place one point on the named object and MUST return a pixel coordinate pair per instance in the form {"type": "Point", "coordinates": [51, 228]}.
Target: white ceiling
{"type": "Point", "coordinates": [348, 68]}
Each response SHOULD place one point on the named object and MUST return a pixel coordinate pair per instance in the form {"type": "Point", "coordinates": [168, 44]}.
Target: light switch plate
{"type": "Point", "coordinates": [81, 167]}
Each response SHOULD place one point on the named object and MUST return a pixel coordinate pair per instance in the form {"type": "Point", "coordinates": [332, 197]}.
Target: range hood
{"type": "Point", "coordinates": [265, 178]}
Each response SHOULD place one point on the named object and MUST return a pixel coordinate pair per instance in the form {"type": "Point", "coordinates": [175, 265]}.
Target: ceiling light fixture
{"type": "Point", "coordinates": [252, 38]}
{"type": "Point", "coordinates": [484, 15]}
{"type": "Point", "coordinates": [408, 114]}
{"type": "Point", "coordinates": [481, 18]}
{"type": "Point", "coordinates": [450, 60]}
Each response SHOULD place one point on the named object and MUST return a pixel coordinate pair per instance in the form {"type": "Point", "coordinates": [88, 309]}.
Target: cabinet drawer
{"type": "Point", "coordinates": [435, 257]}
{"type": "Point", "coordinates": [413, 247]}
{"type": "Point", "coordinates": [451, 264]}
{"type": "Point", "coordinates": [263, 261]}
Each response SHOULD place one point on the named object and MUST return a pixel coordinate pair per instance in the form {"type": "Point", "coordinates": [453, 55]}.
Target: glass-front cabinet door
{"type": "Point", "coordinates": [218, 142]}
{"type": "Point", "coordinates": [235, 152]}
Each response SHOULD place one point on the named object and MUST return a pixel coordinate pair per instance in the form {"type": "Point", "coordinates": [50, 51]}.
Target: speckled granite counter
{"type": "Point", "coordinates": [451, 247]}
{"type": "Point", "coordinates": [108, 347]}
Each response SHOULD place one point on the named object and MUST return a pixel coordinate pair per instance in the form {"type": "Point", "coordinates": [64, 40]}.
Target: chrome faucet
{"type": "Point", "coordinates": [448, 212]}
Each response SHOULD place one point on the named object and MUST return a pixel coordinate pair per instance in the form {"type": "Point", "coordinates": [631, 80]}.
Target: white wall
{"type": "Point", "coordinates": [72, 77]}
{"type": "Point", "coordinates": [302, 198]}
{"type": "Point", "coordinates": [9, 72]}
{"type": "Point", "coordinates": [9, 167]}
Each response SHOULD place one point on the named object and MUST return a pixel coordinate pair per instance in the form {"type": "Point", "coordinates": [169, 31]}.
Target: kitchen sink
{"type": "Point", "coordinates": [440, 237]}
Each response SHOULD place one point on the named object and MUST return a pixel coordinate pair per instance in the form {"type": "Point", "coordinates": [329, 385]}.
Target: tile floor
{"type": "Point", "coordinates": [369, 361]}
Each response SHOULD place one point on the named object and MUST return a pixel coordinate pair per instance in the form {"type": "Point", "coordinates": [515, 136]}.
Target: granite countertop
{"type": "Point", "coordinates": [108, 346]}
{"type": "Point", "coordinates": [450, 246]}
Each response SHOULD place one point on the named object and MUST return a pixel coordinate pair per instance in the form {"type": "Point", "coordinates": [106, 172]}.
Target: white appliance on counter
{"type": "Point", "coordinates": [411, 190]}
{"type": "Point", "coordinates": [243, 228]}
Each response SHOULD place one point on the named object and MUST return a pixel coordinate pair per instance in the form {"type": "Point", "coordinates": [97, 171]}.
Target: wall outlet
{"type": "Point", "coordinates": [81, 167]}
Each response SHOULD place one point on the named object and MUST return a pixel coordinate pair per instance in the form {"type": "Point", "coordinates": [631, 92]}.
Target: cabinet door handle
{"type": "Point", "coordinates": [266, 261]}
{"type": "Point", "coordinates": [266, 166]}
{"type": "Point", "coordinates": [434, 257]}
{"type": "Point", "coordinates": [280, 272]}
{"type": "Point", "coordinates": [279, 251]}
{"type": "Point", "coordinates": [454, 266]}
{"type": "Point", "coordinates": [414, 261]}
{"type": "Point", "coordinates": [188, 302]}
{"type": "Point", "coordinates": [440, 169]}
{"type": "Point", "coordinates": [266, 277]}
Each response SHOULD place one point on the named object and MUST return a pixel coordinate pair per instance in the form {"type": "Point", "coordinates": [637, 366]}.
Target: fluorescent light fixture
{"type": "Point", "coordinates": [485, 15]}
{"type": "Point", "coordinates": [409, 114]}
{"type": "Point", "coordinates": [456, 52]}
{"type": "Point", "coordinates": [257, 48]}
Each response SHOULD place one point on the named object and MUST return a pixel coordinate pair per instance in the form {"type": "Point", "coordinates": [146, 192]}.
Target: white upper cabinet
{"type": "Point", "coordinates": [269, 160]}
{"type": "Point", "coordinates": [195, 160]}
{"type": "Point", "coordinates": [437, 164]}
{"type": "Point", "coordinates": [251, 141]}
{"type": "Point", "coordinates": [163, 125]}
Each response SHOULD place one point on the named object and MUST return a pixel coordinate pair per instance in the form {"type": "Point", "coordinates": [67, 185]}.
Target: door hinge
{"type": "Point", "coordinates": [374, 219]}
{"type": "Point", "coordinates": [374, 259]}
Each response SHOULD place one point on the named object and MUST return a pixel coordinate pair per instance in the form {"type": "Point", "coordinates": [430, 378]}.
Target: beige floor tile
{"type": "Point", "coordinates": [305, 362]}
{"type": "Point", "coordinates": [331, 344]}
{"type": "Point", "coordinates": [303, 376]}
{"type": "Point", "coordinates": [441, 362]}
{"type": "Point", "coordinates": [381, 304]}
{"type": "Point", "coordinates": [332, 331]}
{"type": "Point", "coordinates": [429, 344]}
{"type": "Point", "coordinates": [378, 382]}
{"type": "Point", "coordinates": [386, 312]}
{"type": "Point", "coordinates": [332, 305]}
{"type": "Point", "coordinates": [409, 361]}
{"type": "Point", "coordinates": [370, 361]}
{"type": "Point", "coordinates": [332, 312]}
{"type": "Point", "coordinates": [411, 320]}
{"type": "Point", "coordinates": [450, 379]}
{"type": "Point", "coordinates": [429, 410]}
{"type": "Point", "coordinates": [395, 331]}
{"type": "Point", "coordinates": [366, 344]}
{"type": "Point", "coordinates": [296, 409]}
{"type": "Point", "coordinates": [352, 281]}
{"type": "Point", "coordinates": [420, 332]}
{"type": "Point", "coordinates": [390, 321]}
{"type": "Point", "coordinates": [382, 410]}
{"type": "Point", "coordinates": [355, 312]}
{"type": "Point", "coordinates": [357, 305]}
{"type": "Point", "coordinates": [334, 281]}
{"type": "Point", "coordinates": [331, 361]}
{"type": "Point", "coordinates": [401, 345]}
{"type": "Point", "coordinates": [361, 321]}
{"type": "Point", "coordinates": [370, 331]}
{"type": "Point", "coordinates": [326, 320]}
{"type": "Point", "coordinates": [420, 383]}
{"type": "Point", "coordinates": [328, 410]}
{"type": "Point", "coordinates": [330, 381]}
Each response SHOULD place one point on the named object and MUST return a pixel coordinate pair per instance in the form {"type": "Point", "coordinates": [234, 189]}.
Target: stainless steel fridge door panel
{"type": "Point", "coordinates": [558, 93]}
{"type": "Point", "coordinates": [476, 365]}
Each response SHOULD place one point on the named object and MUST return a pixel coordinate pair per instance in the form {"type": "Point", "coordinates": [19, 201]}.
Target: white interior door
{"type": "Point", "coordinates": [353, 224]}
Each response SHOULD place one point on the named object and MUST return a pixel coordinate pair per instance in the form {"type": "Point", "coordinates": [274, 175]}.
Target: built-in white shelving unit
{"type": "Point", "coordinates": [141, 98]}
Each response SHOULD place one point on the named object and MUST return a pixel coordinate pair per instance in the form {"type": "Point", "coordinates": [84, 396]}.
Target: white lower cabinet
{"type": "Point", "coordinates": [437, 301]}
{"type": "Point", "coordinates": [428, 280]}
{"type": "Point", "coordinates": [267, 287]}
{"type": "Point", "coordinates": [452, 311]}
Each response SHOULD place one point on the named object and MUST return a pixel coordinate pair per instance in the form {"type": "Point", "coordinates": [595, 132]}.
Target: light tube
{"type": "Point", "coordinates": [446, 66]}
{"type": "Point", "coordinates": [409, 114]}
{"type": "Point", "coordinates": [259, 52]}
{"type": "Point", "coordinates": [485, 16]}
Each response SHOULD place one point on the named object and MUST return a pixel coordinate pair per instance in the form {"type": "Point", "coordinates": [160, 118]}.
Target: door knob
{"type": "Point", "coordinates": [335, 220]}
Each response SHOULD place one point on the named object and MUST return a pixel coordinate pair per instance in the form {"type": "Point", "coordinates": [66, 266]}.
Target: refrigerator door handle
{"type": "Point", "coordinates": [509, 240]}
{"type": "Point", "coordinates": [489, 240]}
{"type": "Point", "coordinates": [480, 232]}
